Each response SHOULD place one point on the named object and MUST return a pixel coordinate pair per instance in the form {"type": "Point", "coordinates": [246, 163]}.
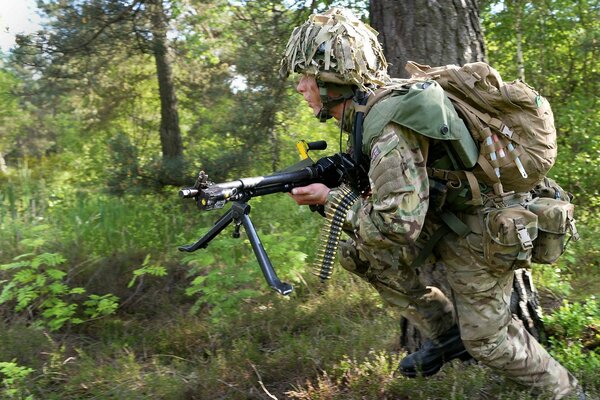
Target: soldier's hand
{"type": "Point", "coordinates": [315, 193]}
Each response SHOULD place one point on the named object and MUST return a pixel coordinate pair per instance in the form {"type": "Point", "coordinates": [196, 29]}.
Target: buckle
{"type": "Point", "coordinates": [523, 235]}
{"type": "Point", "coordinates": [506, 131]}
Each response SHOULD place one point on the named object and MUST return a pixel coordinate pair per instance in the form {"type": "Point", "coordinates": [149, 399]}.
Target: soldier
{"type": "Point", "coordinates": [341, 64]}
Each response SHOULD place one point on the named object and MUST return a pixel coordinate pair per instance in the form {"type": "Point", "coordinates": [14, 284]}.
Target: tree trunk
{"type": "Point", "coordinates": [170, 134]}
{"type": "Point", "coordinates": [434, 32]}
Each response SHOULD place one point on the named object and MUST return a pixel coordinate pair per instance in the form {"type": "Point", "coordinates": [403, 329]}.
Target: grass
{"type": "Point", "coordinates": [226, 335]}
{"type": "Point", "coordinates": [336, 343]}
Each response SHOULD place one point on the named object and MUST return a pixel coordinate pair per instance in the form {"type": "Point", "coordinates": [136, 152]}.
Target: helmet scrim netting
{"type": "Point", "coordinates": [336, 47]}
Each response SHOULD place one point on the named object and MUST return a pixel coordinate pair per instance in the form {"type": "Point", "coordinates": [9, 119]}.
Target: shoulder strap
{"type": "Point", "coordinates": [362, 105]}
{"type": "Point", "coordinates": [380, 94]}
{"type": "Point", "coordinates": [360, 99]}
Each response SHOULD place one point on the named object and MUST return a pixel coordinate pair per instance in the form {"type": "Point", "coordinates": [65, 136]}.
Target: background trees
{"type": "Point", "coordinates": [83, 43]}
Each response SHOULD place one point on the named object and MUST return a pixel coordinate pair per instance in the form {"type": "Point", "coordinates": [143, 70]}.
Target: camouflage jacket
{"type": "Point", "coordinates": [394, 213]}
{"type": "Point", "coordinates": [396, 136]}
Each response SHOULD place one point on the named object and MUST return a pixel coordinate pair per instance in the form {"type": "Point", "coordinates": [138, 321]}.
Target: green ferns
{"type": "Point", "coordinates": [36, 288]}
{"type": "Point", "coordinates": [13, 381]}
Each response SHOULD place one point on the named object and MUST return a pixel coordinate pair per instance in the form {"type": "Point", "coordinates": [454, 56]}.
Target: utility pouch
{"type": "Point", "coordinates": [555, 220]}
{"type": "Point", "coordinates": [508, 235]}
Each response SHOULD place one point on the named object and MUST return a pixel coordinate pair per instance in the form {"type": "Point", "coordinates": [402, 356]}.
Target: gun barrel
{"type": "Point", "coordinates": [285, 178]}
{"type": "Point", "coordinates": [327, 170]}
{"type": "Point", "coordinates": [188, 193]}
{"type": "Point", "coordinates": [330, 171]}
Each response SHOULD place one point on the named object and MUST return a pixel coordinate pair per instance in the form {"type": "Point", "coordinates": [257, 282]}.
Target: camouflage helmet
{"type": "Point", "coordinates": [336, 47]}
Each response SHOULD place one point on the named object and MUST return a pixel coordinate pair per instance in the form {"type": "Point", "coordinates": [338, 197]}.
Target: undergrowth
{"type": "Point", "coordinates": [338, 342]}
{"type": "Point", "coordinates": [97, 303]}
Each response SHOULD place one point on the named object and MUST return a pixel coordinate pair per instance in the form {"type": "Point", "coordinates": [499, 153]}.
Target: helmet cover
{"type": "Point", "coordinates": [336, 47]}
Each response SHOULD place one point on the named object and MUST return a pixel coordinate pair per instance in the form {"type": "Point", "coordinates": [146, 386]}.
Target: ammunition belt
{"type": "Point", "coordinates": [329, 237]}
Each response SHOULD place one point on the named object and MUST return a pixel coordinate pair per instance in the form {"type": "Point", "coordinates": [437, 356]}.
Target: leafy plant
{"type": "Point", "coordinates": [223, 276]}
{"type": "Point", "coordinates": [147, 269]}
{"type": "Point", "coordinates": [13, 384]}
{"type": "Point", "coordinates": [226, 272]}
{"type": "Point", "coordinates": [575, 336]}
{"type": "Point", "coordinates": [98, 306]}
{"type": "Point", "coordinates": [37, 287]}
{"type": "Point", "coordinates": [576, 358]}
{"type": "Point", "coordinates": [571, 320]}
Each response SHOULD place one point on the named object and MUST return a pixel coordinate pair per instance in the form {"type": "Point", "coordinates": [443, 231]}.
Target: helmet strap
{"type": "Point", "coordinates": [359, 178]}
{"type": "Point", "coordinates": [360, 99]}
{"type": "Point", "coordinates": [328, 102]}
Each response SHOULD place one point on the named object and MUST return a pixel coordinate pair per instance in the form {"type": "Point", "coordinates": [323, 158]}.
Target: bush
{"type": "Point", "coordinates": [13, 381]}
{"type": "Point", "coordinates": [36, 287]}
{"type": "Point", "coordinates": [574, 331]}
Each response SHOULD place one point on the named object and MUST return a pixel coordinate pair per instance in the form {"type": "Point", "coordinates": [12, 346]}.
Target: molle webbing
{"type": "Point", "coordinates": [329, 237]}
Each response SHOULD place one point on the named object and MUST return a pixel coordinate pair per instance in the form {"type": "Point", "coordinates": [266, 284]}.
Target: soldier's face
{"type": "Point", "coordinates": [307, 86]}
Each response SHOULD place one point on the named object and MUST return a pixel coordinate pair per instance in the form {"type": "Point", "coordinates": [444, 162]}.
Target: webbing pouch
{"type": "Point", "coordinates": [508, 235]}
{"type": "Point", "coordinates": [555, 220]}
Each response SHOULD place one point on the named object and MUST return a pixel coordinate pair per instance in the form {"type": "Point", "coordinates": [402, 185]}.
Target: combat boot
{"type": "Point", "coordinates": [433, 354]}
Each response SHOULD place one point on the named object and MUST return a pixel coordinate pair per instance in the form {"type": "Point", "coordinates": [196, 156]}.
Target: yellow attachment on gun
{"type": "Point", "coordinates": [302, 147]}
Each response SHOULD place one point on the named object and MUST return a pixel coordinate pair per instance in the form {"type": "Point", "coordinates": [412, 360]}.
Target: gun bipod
{"type": "Point", "coordinates": [239, 215]}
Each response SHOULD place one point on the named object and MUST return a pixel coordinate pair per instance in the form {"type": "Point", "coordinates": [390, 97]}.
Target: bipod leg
{"type": "Point", "coordinates": [240, 212]}
{"type": "Point", "coordinates": [202, 243]}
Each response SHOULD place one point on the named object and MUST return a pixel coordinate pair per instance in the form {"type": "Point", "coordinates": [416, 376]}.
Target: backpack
{"type": "Point", "coordinates": [502, 138]}
{"type": "Point", "coordinates": [512, 123]}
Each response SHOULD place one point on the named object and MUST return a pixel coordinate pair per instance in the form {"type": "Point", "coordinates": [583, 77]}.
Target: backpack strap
{"type": "Point", "coordinates": [373, 99]}
{"type": "Point", "coordinates": [489, 144]}
{"type": "Point", "coordinates": [451, 223]}
{"type": "Point", "coordinates": [485, 117]}
{"type": "Point", "coordinates": [456, 178]}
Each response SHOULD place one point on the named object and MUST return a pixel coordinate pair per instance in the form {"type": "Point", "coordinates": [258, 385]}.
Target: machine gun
{"type": "Point", "coordinates": [331, 171]}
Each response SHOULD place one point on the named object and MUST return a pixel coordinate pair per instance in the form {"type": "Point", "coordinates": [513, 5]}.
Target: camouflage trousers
{"type": "Point", "coordinates": [481, 295]}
